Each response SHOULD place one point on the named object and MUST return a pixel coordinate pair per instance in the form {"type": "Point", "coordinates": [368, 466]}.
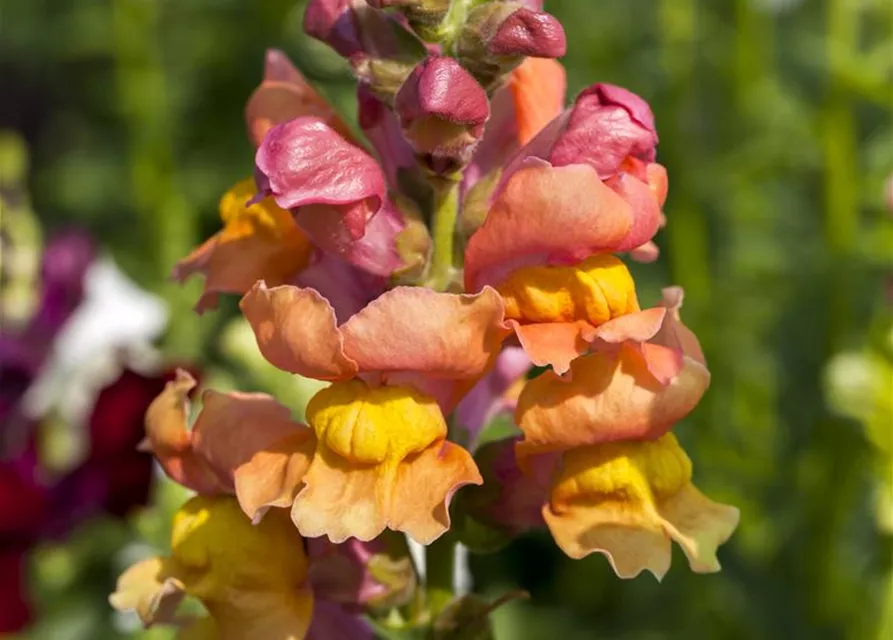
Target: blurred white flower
{"type": "Point", "coordinates": [117, 321]}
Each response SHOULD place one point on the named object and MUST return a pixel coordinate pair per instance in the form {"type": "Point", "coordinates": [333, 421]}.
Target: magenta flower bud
{"type": "Point", "coordinates": [529, 33]}
{"type": "Point", "coordinates": [498, 36]}
{"type": "Point", "coordinates": [442, 110]}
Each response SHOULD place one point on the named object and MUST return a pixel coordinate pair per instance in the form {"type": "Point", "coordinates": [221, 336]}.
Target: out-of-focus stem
{"type": "Point", "coordinates": [841, 162]}
{"type": "Point", "coordinates": [443, 229]}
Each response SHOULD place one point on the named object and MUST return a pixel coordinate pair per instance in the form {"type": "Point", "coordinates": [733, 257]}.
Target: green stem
{"type": "Point", "coordinates": [439, 562]}
{"type": "Point", "coordinates": [446, 209]}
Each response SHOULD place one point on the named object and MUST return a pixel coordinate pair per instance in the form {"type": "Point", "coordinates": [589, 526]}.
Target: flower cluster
{"type": "Point", "coordinates": [428, 284]}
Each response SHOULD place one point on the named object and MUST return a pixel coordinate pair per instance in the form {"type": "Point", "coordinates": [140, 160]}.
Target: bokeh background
{"type": "Point", "coordinates": [776, 125]}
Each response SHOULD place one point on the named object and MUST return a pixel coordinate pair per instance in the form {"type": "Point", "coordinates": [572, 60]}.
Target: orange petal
{"type": "Point", "coordinates": [342, 499]}
{"type": "Point", "coordinates": [253, 438]}
{"type": "Point", "coordinates": [169, 439]}
{"type": "Point", "coordinates": [607, 397]}
{"type": "Point", "coordinates": [554, 344]}
{"type": "Point", "coordinates": [416, 329]}
{"type": "Point", "coordinates": [425, 484]}
{"type": "Point", "coordinates": [284, 95]}
{"type": "Point", "coordinates": [296, 331]}
{"type": "Point", "coordinates": [631, 542]}
{"type": "Point", "coordinates": [152, 588]}
{"type": "Point", "coordinates": [259, 241]}
{"type": "Point", "coordinates": [538, 89]}
{"type": "Point", "coordinates": [543, 214]}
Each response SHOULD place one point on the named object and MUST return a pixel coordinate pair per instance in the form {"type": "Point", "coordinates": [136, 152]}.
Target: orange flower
{"type": "Point", "coordinates": [242, 443]}
{"type": "Point", "coordinates": [398, 366]}
{"type": "Point", "coordinates": [258, 241]}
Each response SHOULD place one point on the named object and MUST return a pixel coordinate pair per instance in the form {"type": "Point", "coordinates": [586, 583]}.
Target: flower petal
{"type": "Point", "coordinates": [252, 437]}
{"type": "Point", "coordinates": [553, 344]}
{"type": "Point", "coordinates": [152, 588]}
{"type": "Point", "coordinates": [639, 544]}
{"type": "Point", "coordinates": [304, 161]}
{"type": "Point", "coordinates": [342, 499]}
{"type": "Point", "coordinates": [168, 438]}
{"type": "Point", "coordinates": [333, 621]}
{"type": "Point", "coordinates": [419, 330]}
{"type": "Point", "coordinates": [296, 331]}
{"type": "Point", "coordinates": [424, 486]}
{"type": "Point", "coordinates": [538, 89]}
{"type": "Point", "coordinates": [545, 214]}
{"type": "Point", "coordinates": [283, 95]}
{"type": "Point", "coordinates": [606, 398]}
{"type": "Point", "coordinates": [699, 525]}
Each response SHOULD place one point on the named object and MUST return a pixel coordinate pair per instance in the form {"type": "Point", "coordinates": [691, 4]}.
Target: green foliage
{"type": "Point", "coordinates": [776, 124]}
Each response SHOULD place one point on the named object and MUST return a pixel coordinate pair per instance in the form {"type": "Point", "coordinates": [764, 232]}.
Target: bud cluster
{"type": "Point", "coordinates": [436, 62]}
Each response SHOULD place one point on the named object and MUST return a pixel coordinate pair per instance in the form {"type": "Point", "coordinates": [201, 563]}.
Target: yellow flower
{"type": "Point", "coordinates": [628, 500]}
{"type": "Point", "coordinates": [250, 578]}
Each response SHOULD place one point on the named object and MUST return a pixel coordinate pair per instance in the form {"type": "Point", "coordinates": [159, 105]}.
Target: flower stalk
{"type": "Point", "coordinates": [443, 226]}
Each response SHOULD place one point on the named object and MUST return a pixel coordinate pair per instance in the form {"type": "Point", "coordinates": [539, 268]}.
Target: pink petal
{"type": "Point", "coordinates": [529, 33]}
{"type": "Point", "coordinates": [306, 162]}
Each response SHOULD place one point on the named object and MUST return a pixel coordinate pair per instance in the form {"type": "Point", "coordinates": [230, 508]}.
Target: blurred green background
{"type": "Point", "coordinates": [776, 125]}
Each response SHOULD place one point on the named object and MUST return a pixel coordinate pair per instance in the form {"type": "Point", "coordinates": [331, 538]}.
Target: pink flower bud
{"type": "Point", "coordinates": [442, 110]}
{"type": "Point", "coordinates": [529, 33]}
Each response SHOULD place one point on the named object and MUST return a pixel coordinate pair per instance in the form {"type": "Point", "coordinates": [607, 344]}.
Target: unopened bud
{"type": "Point", "coordinates": [442, 110]}
{"type": "Point", "coordinates": [498, 36]}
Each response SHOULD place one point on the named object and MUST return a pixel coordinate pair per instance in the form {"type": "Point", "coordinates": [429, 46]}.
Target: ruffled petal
{"type": "Point", "coordinates": [544, 215]}
{"type": "Point", "coordinates": [605, 398]}
{"type": "Point", "coordinates": [419, 330]}
{"type": "Point", "coordinates": [342, 499]}
{"type": "Point", "coordinates": [169, 439]}
{"type": "Point", "coordinates": [296, 331]}
{"type": "Point", "coordinates": [259, 241]}
{"type": "Point", "coordinates": [424, 486]}
{"type": "Point", "coordinates": [253, 438]}
{"type": "Point", "coordinates": [306, 162]}
{"type": "Point", "coordinates": [152, 588]}
{"type": "Point", "coordinates": [631, 542]}
{"type": "Point", "coordinates": [699, 525]}
{"type": "Point", "coordinates": [554, 344]}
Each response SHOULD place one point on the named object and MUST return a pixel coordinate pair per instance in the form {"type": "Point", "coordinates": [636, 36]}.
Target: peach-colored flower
{"type": "Point", "coordinates": [545, 246]}
{"type": "Point", "coordinates": [628, 500]}
{"type": "Point", "coordinates": [645, 373]}
{"type": "Point", "coordinates": [398, 366]}
{"type": "Point", "coordinates": [242, 443]}
{"type": "Point", "coordinates": [258, 241]}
